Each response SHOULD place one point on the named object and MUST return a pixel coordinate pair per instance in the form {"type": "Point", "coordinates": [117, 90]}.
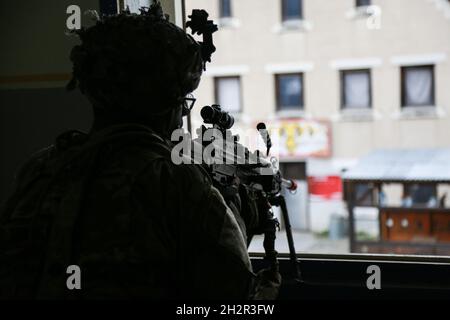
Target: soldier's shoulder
{"type": "Point", "coordinates": [62, 143]}
{"type": "Point", "coordinates": [37, 160]}
{"type": "Point", "coordinates": [190, 177]}
{"type": "Point", "coordinates": [192, 173]}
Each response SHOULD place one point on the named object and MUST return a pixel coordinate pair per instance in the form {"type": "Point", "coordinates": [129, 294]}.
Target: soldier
{"type": "Point", "coordinates": [111, 201]}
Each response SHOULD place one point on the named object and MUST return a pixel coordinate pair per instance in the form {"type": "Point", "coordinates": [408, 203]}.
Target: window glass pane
{"type": "Point", "coordinates": [225, 8]}
{"type": "Point", "coordinates": [292, 9]}
{"type": "Point", "coordinates": [420, 195]}
{"type": "Point", "coordinates": [228, 94]}
{"type": "Point", "coordinates": [356, 89]}
{"type": "Point", "coordinates": [418, 86]}
{"type": "Point", "coordinates": [290, 91]}
{"type": "Point", "coordinates": [331, 92]}
{"type": "Point", "coordinates": [364, 194]}
{"type": "Point", "coordinates": [360, 3]}
{"type": "Point", "coordinates": [135, 5]}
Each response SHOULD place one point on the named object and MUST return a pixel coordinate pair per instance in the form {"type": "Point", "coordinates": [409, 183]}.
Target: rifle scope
{"type": "Point", "coordinates": [215, 115]}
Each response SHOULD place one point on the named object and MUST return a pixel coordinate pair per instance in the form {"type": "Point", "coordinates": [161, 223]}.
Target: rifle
{"type": "Point", "coordinates": [252, 171]}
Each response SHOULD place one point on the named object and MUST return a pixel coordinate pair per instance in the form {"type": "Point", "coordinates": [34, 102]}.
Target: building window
{"type": "Point", "coordinates": [363, 3]}
{"type": "Point", "coordinates": [292, 9]}
{"type": "Point", "coordinates": [365, 194]}
{"type": "Point", "coordinates": [132, 5]}
{"type": "Point", "coordinates": [356, 89]}
{"type": "Point", "coordinates": [228, 93]}
{"type": "Point", "coordinates": [289, 90]}
{"type": "Point", "coordinates": [419, 195]}
{"type": "Point", "coordinates": [418, 86]}
{"type": "Point", "coordinates": [225, 8]}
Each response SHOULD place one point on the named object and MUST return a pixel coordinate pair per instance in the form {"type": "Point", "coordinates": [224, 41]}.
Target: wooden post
{"type": "Point", "coordinates": [350, 205]}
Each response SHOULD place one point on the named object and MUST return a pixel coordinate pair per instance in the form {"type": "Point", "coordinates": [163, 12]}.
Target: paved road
{"type": "Point", "coordinates": [304, 242]}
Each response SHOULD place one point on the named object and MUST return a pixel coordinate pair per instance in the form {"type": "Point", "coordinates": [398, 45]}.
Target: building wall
{"type": "Point", "coordinates": [254, 44]}
{"type": "Point", "coordinates": [410, 30]}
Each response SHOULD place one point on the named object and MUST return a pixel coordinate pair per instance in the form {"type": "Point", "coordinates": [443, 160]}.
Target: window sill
{"type": "Point", "coordinates": [291, 114]}
{"type": "Point", "coordinates": [421, 276]}
{"type": "Point", "coordinates": [356, 115]}
{"type": "Point", "coordinates": [229, 23]}
{"type": "Point", "coordinates": [425, 112]}
{"type": "Point", "coordinates": [363, 257]}
{"type": "Point", "coordinates": [363, 12]}
{"type": "Point", "coordinates": [293, 26]}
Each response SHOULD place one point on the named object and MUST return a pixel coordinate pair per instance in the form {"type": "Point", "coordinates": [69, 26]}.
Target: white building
{"type": "Point", "coordinates": [342, 77]}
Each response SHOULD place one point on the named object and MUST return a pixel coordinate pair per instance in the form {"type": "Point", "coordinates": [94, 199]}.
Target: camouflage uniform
{"type": "Point", "coordinates": [113, 203]}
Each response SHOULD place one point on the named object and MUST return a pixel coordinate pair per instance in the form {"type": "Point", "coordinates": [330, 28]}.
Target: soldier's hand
{"type": "Point", "coordinates": [231, 195]}
{"type": "Point", "coordinates": [249, 211]}
{"type": "Point", "coordinates": [268, 282]}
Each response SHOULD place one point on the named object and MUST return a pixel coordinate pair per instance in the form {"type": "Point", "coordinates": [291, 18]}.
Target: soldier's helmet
{"type": "Point", "coordinates": [139, 63]}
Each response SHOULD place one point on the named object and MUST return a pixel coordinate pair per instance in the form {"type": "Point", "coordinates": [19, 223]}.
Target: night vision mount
{"type": "Point", "coordinates": [200, 25]}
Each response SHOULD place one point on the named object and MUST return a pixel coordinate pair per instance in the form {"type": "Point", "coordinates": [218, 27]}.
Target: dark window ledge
{"type": "Point", "coordinates": [345, 276]}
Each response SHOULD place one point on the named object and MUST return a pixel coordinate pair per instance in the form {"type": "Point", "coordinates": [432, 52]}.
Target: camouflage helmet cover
{"type": "Point", "coordinates": [128, 62]}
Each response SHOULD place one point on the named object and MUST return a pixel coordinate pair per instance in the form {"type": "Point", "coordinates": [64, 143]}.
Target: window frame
{"type": "Point", "coordinates": [284, 15]}
{"type": "Point", "coordinates": [278, 106]}
{"type": "Point", "coordinates": [403, 276]}
{"type": "Point", "coordinates": [403, 71]}
{"type": "Point", "coordinates": [328, 260]}
{"type": "Point", "coordinates": [217, 94]}
{"type": "Point", "coordinates": [342, 73]}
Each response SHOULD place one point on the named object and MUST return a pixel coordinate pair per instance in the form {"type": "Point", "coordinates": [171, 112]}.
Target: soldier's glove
{"type": "Point", "coordinates": [267, 284]}
{"type": "Point", "coordinates": [248, 204]}
{"type": "Point", "coordinates": [231, 196]}
{"type": "Point", "coordinates": [249, 210]}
